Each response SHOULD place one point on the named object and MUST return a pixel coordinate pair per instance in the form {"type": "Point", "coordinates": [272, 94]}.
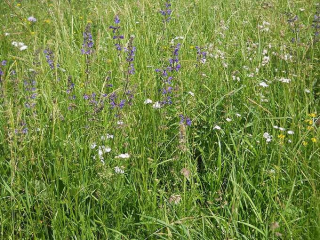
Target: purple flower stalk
{"type": "Point", "coordinates": [50, 57]}
{"type": "Point", "coordinates": [87, 46]}
{"type": "Point", "coordinates": [166, 12]}
{"type": "Point", "coordinates": [115, 30]}
{"type": "Point", "coordinates": [185, 120]}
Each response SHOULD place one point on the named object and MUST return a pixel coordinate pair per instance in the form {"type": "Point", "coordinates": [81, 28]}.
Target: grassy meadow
{"type": "Point", "coordinates": [164, 119]}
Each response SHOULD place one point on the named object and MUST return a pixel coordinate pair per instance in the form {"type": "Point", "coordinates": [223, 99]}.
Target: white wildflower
{"type": "Point", "coordinates": [217, 127]}
{"type": "Point", "coordinates": [263, 84]}
{"type": "Point", "coordinates": [228, 119]}
{"type": "Point", "coordinates": [191, 93]}
{"type": "Point", "coordinates": [93, 145]}
{"type": "Point", "coordinates": [282, 129]}
{"type": "Point", "coordinates": [238, 114]}
{"type": "Point", "coordinates": [307, 91]}
{"type": "Point", "coordinates": [290, 132]}
{"type": "Point", "coordinates": [118, 170]}
{"type": "Point", "coordinates": [123, 155]}
{"type": "Point", "coordinates": [268, 137]}
{"type": "Point", "coordinates": [147, 101]}
{"type": "Point", "coordinates": [285, 80]}
{"type": "Point", "coordinates": [120, 122]}
{"type": "Point", "coordinates": [23, 48]}
{"type": "Point", "coordinates": [156, 105]}
{"type": "Point", "coordinates": [275, 127]}
{"type": "Point", "coordinates": [104, 149]}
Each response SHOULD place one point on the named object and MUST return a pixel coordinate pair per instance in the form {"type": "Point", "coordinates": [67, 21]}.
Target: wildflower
{"type": "Point", "coordinates": [123, 156]}
{"type": "Point", "coordinates": [309, 121]}
{"type": "Point", "coordinates": [120, 122]}
{"type": "Point", "coordinates": [238, 115]}
{"type": "Point", "coordinates": [148, 101]}
{"type": "Point", "coordinates": [48, 21]}
{"type": "Point", "coordinates": [282, 129]}
{"type": "Point", "coordinates": [281, 136]}
{"type": "Point", "coordinates": [268, 137]}
{"type": "Point", "coordinates": [93, 145]}
{"type": "Point", "coordinates": [263, 84]}
{"type": "Point", "coordinates": [275, 127]}
{"type": "Point", "coordinates": [156, 105]}
{"type": "Point", "coordinates": [314, 140]}
{"type": "Point", "coordinates": [87, 41]}
{"type": "Point", "coordinates": [307, 91]}
{"type": "Point", "coordinates": [32, 19]}
{"type": "Point", "coordinates": [309, 128]}
{"type": "Point", "coordinates": [290, 132]}
{"type": "Point", "coordinates": [285, 80]}
{"type": "Point", "coordinates": [191, 93]}
{"type": "Point", "coordinates": [23, 48]}
{"type": "Point", "coordinates": [304, 143]}
{"type": "Point", "coordinates": [217, 127]}
{"type": "Point", "coordinates": [313, 115]}
{"type": "Point", "coordinates": [166, 13]}
{"type": "Point", "coordinates": [228, 119]}
{"type": "Point", "coordinates": [49, 58]}
{"type": "Point", "coordinates": [104, 149]}
{"type": "Point", "coordinates": [118, 170]}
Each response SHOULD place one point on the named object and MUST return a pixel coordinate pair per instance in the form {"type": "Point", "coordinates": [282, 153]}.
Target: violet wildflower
{"type": "Point", "coordinates": [316, 23]}
{"type": "Point", "coordinates": [166, 75]}
{"type": "Point", "coordinates": [166, 12]}
{"type": "Point", "coordinates": [32, 19]}
{"type": "Point", "coordinates": [49, 57]}
{"type": "Point", "coordinates": [115, 31]}
{"type": "Point", "coordinates": [201, 55]}
{"type": "Point", "coordinates": [87, 41]}
{"type": "Point", "coordinates": [185, 120]}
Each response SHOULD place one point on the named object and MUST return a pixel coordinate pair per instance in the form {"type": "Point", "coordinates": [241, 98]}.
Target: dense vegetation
{"type": "Point", "coordinates": [140, 119]}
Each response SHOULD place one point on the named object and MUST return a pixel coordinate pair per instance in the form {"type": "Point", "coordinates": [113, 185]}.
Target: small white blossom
{"type": "Point", "coordinates": [6, 34]}
{"type": "Point", "coordinates": [228, 119]}
{"type": "Point", "coordinates": [156, 105]}
{"type": "Point", "coordinates": [268, 137]}
{"type": "Point", "coordinates": [290, 132]}
{"type": "Point", "coordinates": [148, 101]}
{"type": "Point", "coordinates": [191, 93]}
{"type": "Point", "coordinates": [120, 122]}
{"type": "Point", "coordinates": [263, 84]}
{"type": "Point", "coordinates": [275, 127]}
{"type": "Point", "coordinates": [93, 145]}
{"type": "Point", "coordinates": [104, 149]}
{"type": "Point", "coordinates": [217, 127]}
{"type": "Point", "coordinates": [285, 80]}
{"type": "Point", "coordinates": [282, 129]}
{"type": "Point", "coordinates": [23, 48]}
{"type": "Point", "coordinates": [118, 170]}
{"type": "Point", "coordinates": [109, 136]}
{"type": "Point", "coordinates": [123, 155]}
{"type": "Point", "coordinates": [238, 114]}
{"type": "Point", "coordinates": [307, 91]}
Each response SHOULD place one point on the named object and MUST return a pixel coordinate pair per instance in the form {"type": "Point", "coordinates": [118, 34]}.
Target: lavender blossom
{"type": "Point", "coordinates": [87, 46]}
{"type": "Point", "coordinates": [50, 58]}
{"type": "Point", "coordinates": [115, 30]}
{"type": "Point", "coordinates": [32, 19]}
{"type": "Point", "coordinates": [166, 12]}
{"type": "Point", "coordinates": [185, 120]}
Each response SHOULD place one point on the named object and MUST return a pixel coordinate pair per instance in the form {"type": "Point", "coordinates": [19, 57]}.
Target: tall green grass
{"type": "Point", "coordinates": [180, 182]}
